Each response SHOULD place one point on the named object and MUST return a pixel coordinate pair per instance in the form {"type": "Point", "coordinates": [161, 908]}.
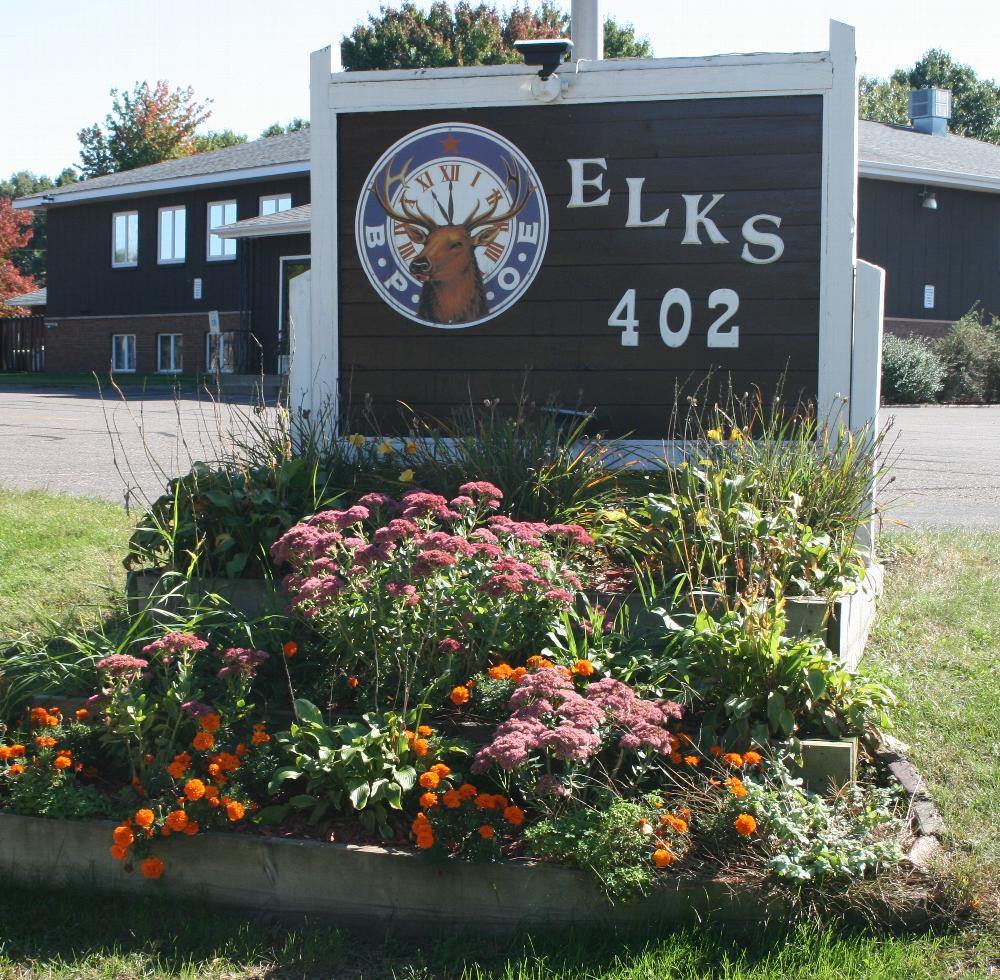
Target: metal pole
{"type": "Point", "coordinates": [587, 30]}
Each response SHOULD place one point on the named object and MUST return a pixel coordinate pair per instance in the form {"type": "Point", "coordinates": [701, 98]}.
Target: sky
{"type": "Point", "coordinates": [251, 57]}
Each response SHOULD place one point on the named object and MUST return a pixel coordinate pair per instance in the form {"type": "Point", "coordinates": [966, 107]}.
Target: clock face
{"type": "Point", "coordinates": [452, 225]}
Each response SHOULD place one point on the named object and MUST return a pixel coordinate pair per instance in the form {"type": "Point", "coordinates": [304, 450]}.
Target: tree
{"type": "Point", "coordinates": [146, 125]}
{"type": "Point", "coordinates": [30, 257]}
{"type": "Point", "coordinates": [975, 101]}
{"type": "Point", "coordinates": [206, 142]}
{"type": "Point", "coordinates": [407, 37]}
{"type": "Point", "coordinates": [292, 126]}
{"type": "Point", "coordinates": [15, 233]}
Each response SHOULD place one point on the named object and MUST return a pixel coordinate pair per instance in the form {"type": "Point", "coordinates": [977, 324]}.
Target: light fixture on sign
{"type": "Point", "coordinates": [549, 54]}
{"type": "Point", "coordinates": [928, 199]}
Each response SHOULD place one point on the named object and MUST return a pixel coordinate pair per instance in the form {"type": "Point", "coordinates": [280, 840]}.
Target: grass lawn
{"type": "Point", "coordinates": [56, 553]}
{"type": "Point", "coordinates": [936, 643]}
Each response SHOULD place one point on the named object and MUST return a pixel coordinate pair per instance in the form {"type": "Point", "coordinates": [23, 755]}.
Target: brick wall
{"type": "Point", "coordinates": [83, 344]}
{"type": "Point", "coordinates": [917, 328]}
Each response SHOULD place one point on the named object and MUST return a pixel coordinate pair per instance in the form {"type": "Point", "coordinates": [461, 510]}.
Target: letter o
{"type": "Point", "coordinates": [509, 278]}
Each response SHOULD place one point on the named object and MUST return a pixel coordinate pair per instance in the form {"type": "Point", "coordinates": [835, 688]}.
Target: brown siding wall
{"type": "Point", "coordinates": [82, 282]}
{"type": "Point", "coordinates": [82, 345]}
{"type": "Point", "coordinates": [763, 153]}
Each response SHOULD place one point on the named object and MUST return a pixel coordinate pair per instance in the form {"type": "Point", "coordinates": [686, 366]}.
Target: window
{"type": "Point", "coordinates": [125, 239]}
{"type": "Point", "coordinates": [169, 352]}
{"type": "Point", "coordinates": [273, 203]}
{"type": "Point", "coordinates": [172, 227]}
{"type": "Point", "coordinates": [123, 352]}
{"type": "Point", "coordinates": [221, 213]}
{"type": "Point", "coordinates": [220, 352]}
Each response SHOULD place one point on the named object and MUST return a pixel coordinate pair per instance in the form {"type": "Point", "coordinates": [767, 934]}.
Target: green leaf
{"type": "Point", "coordinates": [271, 814]}
{"type": "Point", "coordinates": [406, 777]}
{"type": "Point", "coordinates": [358, 794]}
{"type": "Point", "coordinates": [775, 706]}
{"type": "Point", "coordinates": [816, 680]}
{"type": "Point", "coordinates": [302, 801]}
{"type": "Point", "coordinates": [280, 776]}
{"type": "Point", "coordinates": [307, 712]}
{"type": "Point", "coordinates": [236, 565]}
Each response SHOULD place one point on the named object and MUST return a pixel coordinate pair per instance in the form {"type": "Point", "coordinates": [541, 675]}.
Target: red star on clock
{"type": "Point", "coordinates": [449, 143]}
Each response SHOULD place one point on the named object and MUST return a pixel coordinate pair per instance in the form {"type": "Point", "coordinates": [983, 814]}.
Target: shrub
{"type": "Point", "coordinates": [911, 370]}
{"type": "Point", "coordinates": [415, 595]}
{"type": "Point", "coordinates": [971, 356]}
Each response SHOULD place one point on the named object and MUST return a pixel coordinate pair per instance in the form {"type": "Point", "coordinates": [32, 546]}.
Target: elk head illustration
{"type": "Point", "coordinates": [452, 289]}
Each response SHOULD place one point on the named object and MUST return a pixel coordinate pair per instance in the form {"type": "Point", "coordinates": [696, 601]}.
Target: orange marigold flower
{"type": "Point", "coordinates": [427, 800]}
{"type": "Point", "coordinates": [118, 852]}
{"type": "Point", "coordinates": [39, 716]}
{"type": "Point", "coordinates": [17, 751]}
{"type": "Point", "coordinates": [584, 668]}
{"type": "Point", "coordinates": [441, 769]}
{"type": "Point", "coordinates": [177, 820]}
{"type": "Point", "coordinates": [519, 674]}
{"type": "Point", "coordinates": [420, 746]}
{"type": "Point", "coordinates": [192, 828]}
{"type": "Point", "coordinates": [228, 762]}
{"type": "Point", "coordinates": [676, 823]}
{"type": "Point", "coordinates": [425, 730]}
{"type": "Point", "coordinates": [692, 760]}
{"type": "Point", "coordinates": [45, 741]}
{"type": "Point", "coordinates": [52, 720]}
{"type": "Point", "coordinates": [203, 741]}
{"type": "Point", "coordinates": [425, 840]}
{"type": "Point", "coordinates": [419, 821]}
{"type": "Point", "coordinates": [514, 815]}
{"type": "Point", "coordinates": [501, 672]}
{"type": "Point", "coordinates": [82, 714]}
{"type": "Point", "coordinates": [484, 801]}
{"type": "Point", "coordinates": [213, 769]}
{"type": "Point", "coordinates": [177, 769]}
{"type": "Point", "coordinates": [675, 758]}
{"type": "Point", "coordinates": [210, 722]}
{"type": "Point", "coordinates": [535, 661]}
{"type": "Point", "coordinates": [735, 786]}
{"type": "Point", "coordinates": [289, 648]}
{"type": "Point", "coordinates": [467, 791]}
{"type": "Point", "coordinates": [459, 695]}
{"type": "Point", "coordinates": [194, 789]}
{"type": "Point", "coordinates": [123, 836]}
{"type": "Point", "coordinates": [235, 810]}
{"type": "Point", "coordinates": [260, 738]}
{"type": "Point", "coordinates": [715, 750]}
{"type": "Point", "coordinates": [734, 759]}
{"type": "Point", "coordinates": [745, 824]}
{"type": "Point", "coordinates": [497, 802]}
{"type": "Point", "coordinates": [486, 831]}
{"type": "Point", "coordinates": [352, 682]}
{"type": "Point", "coordinates": [663, 857]}
{"type": "Point", "coordinates": [15, 770]}
{"type": "Point", "coordinates": [4, 753]}
{"type": "Point", "coordinates": [451, 799]}
{"type": "Point", "coordinates": [752, 758]}
{"type": "Point", "coordinates": [429, 779]}
{"type": "Point", "coordinates": [211, 793]}
{"type": "Point", "coordinates": [144, 818]}
{"type": "Point", "coordinates": [241, 749]}
{"type": "Point", "coordinates": [152, 867]}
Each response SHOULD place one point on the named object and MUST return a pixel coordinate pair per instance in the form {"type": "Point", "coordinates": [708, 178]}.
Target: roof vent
{"type": "Point", "coordinates": [930, 110]}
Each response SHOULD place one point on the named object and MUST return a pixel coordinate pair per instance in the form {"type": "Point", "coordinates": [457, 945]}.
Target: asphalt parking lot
{"type": "Point", "coordinates": [946, 459]}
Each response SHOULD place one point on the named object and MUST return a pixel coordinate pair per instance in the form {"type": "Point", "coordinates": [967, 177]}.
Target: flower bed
{"type": "Point", "coordinates": [438, 688]}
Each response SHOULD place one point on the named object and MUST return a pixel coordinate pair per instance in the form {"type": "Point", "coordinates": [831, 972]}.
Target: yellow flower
{"type": "Point", "coordinates": [410, 448]}
{"type": "Point", "coordinates": [385, 448]}
{"type": "Point", "coordinates": [735, 435]}
{"type": "Point", "coordinates": [406, 476]}
{"type": "Point", "coordinates": [715, 435]}
{"type": "Point", "coordinates": [356, 440]}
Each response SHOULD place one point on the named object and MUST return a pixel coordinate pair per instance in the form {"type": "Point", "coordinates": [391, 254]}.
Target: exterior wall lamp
{"type": "Point", "coordinates": [928, 199]}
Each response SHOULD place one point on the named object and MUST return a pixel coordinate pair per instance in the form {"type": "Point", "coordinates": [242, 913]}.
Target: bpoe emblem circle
{"type": "Point", "coordinates": [452, 225]}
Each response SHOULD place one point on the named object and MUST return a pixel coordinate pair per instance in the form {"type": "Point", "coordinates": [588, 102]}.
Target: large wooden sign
{"type": "Point", "coordinates": [657, 222]}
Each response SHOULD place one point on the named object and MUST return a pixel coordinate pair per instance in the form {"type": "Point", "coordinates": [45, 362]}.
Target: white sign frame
{"type": "Point", "coordinates": [831, 74]}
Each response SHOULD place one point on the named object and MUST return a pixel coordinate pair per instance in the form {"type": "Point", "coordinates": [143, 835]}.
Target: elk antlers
{"type": "Point", "coordinates": [521, 197]}
{"type": "Point", "coordinates": [414, 216]}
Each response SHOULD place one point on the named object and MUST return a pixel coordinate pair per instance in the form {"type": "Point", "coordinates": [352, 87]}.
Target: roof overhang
{"type": "Point", "coordinates": [293, 222]}
{"type": "Point", "coordinates": [84, 193]}
{"type": "Point", "coordinates": [907, 174]}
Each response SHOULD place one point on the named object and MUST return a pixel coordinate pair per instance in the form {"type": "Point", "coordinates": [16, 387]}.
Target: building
{"type": "Point", "coordinates": [139, 260]}
{"type": "Point", "coordinates": [139, 281]}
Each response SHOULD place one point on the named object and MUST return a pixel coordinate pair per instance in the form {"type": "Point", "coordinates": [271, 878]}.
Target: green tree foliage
{"type": "Point", "coordinates": [147, 125]}
{"type": "Point", "coordinates": [975, 100]}
{"type": "Point", "coordinates": [295, 125]}
{"type": "Point", "coordinates": [206, 142]}
{"type": "Point", "coordinates": [407, 37]}
{"type": "Point", "coordinates": [30, 257]}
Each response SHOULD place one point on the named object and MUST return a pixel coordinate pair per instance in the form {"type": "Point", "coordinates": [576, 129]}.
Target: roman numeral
{"type": "Point", "coordinates": [494, 251]}
{"type": "Point", "coordinates": [475, 179]}
{"type": "Point", "coordinates": [406, 250]}
{"type": "Point", "coordinates": [449, 171]}
{"type": "Point", "coordinates": [425, 180]}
